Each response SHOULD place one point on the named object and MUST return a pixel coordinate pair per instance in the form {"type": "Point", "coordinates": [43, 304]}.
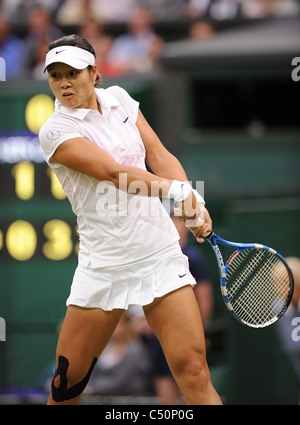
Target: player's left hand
{"type": "Point", "coordinates": [191, 210]}
{"type": "Point", "coordinates": [205, 226]}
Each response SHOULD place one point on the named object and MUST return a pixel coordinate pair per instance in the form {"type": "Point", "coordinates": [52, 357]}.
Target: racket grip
{"type": "Point", "coordinates": [207, 235]}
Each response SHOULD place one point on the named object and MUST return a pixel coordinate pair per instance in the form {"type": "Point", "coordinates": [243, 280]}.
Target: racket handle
{"type": "Point", "coordinates": [207, 235]}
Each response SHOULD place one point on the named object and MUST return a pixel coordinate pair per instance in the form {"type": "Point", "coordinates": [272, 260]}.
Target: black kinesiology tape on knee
{"type": "Point", "coordinates": [61, 393]}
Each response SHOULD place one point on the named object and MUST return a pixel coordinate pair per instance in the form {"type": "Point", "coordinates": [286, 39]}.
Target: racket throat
{"type": "Point", "coordinates": [222, 267]}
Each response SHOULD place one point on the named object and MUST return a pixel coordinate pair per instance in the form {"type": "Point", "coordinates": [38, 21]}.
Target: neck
{"type": "Point", "coordinates": [92, 103]}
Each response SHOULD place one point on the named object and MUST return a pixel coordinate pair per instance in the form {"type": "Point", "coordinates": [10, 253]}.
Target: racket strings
{"type": "Point", "coordinates": [258, 285]}
{"type": "Point", "coordinates": [246, 292]}
{"type": "Point", "coordinates": [265, 299]}
{"type": "Point", "coordinates": [262, 295]}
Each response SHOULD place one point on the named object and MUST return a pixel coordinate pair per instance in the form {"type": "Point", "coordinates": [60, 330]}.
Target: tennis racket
{"type": "Point", "coordinates": [256, 282]}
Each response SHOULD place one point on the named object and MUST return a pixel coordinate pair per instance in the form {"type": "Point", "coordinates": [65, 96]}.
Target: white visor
{"type": "Point", "coordinates": [73, 56]}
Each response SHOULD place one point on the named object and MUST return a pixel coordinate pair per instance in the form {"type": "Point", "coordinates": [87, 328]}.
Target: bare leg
{"type": "Point", "coordinates": [84, 335]}
{"type": "Point", "coordinates": [176, 320]}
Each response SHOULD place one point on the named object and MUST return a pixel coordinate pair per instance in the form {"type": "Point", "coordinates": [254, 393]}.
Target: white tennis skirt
{"type": "Point", "coordinates": [139, 283]}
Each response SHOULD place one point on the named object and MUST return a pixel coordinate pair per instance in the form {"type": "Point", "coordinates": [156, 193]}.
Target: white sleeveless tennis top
{"type": "Point", "coordinates": [115, 228]}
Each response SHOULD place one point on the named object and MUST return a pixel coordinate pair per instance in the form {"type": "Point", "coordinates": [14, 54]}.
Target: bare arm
{"type": "Point", "coordinates": [158, 158]}
{"type": "Point", "coordinates": [81, 155]}
{"type": "Point", "coordinates": [164, 164]}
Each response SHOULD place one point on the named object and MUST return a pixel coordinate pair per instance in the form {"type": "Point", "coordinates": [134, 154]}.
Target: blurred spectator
{"type": "Point", "coordinates": [92, 30]}
{"type": "Point", "coordinates": [165, 10]}
{"type": "Point", "coordinates": [72, 12]}
{"type": "Point", "coordinates": [124, 366]}
{"type": "Point", "coordinates": [18, 10]}
{"type": "Point", "coordinates": [224, 9]}
{"type": "Point", "coordinates": [255, 8]}
{"type": "Point", "coordinates": [41, 31]}
{"type": "Point", "coordinates": [201, 30]}
{"type": "Point", "coordinates": [11, 49]}
{"type": "Point", "coordinates": [262, 8]}
{"type": "Point", "coordinates": [117, 11]}
{"type": "Point", "coordinates": [213, 9]}
{"type": "Point", "coordinates": [37, 71]}
{"type": "Point", "coordinates": [289, 324]}
{"type": "Point", "coordinates": [197, 8]}
{"type": "Point", "coordinates": [138, 50]}
{"type": "Point", "coordinates": [285, 7]}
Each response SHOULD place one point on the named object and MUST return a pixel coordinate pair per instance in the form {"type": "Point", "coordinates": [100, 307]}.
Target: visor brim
{"type": "Point", "coordinates": [74, 63]}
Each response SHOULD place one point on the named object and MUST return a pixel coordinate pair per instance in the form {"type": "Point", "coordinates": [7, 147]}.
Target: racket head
{"type": "Point", "coordinates": [258, 285]}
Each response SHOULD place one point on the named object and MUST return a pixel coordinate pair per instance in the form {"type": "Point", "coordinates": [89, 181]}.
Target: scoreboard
{"type": "Point", "coordinates": [30, 191]}
{"type": "Point", "coordinates": [38, 256]}
{"type": "Point", "coordinates": [38, 238]}
{"type": "Point", "coordinates": [38, 235]}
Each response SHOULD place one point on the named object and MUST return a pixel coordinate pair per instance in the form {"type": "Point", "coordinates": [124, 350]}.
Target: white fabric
{"type": "Point", "coordinates": [179, 191]}
{"type": "Point", "coordinates": [108, 236]}
{"type": "Point", "coordinates": [74, 56]}
{"type": "Point", "coordinates": [140, 283]}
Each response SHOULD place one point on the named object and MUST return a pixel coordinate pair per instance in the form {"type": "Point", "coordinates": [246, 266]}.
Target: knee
{"type": "Point", "coordinates": [65, 384]}
{"type": "Point", "coordinates": [193, 372]}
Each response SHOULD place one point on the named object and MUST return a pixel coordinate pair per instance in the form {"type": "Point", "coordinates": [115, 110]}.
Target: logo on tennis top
{"type": "Point", "coordinates": [53, 134]}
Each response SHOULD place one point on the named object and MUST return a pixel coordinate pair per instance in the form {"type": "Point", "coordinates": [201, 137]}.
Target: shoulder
{"type": "Point", "coordinates": [50, 122]}
{"type": "Point", "coordinates": [113, 95]}
{"type": "Point", "coordinates": [58, 122]}
{"type": "Point", "coordinates": [125, 100]}
{"type": "Point", "coordinates": [56, 130]}
{"type": "Point", "coordinates": [117, 91]}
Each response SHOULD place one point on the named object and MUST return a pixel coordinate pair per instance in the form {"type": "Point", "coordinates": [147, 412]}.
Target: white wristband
{"type": "Point", "coordinates": [198, 197]}
{"type": "Point", "coordinates": [179, 191]}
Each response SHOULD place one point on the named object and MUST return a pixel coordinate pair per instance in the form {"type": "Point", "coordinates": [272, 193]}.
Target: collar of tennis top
{"type": "Point", "coordinates": [73, 56]}
{"type": "Point", "coordinates": [105, 99]}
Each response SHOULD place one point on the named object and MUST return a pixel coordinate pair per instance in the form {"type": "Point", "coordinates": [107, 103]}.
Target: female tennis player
{"type": "Point", "coordinates": [98, 142]}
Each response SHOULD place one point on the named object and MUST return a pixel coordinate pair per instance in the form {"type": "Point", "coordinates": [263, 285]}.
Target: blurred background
{"type": "Point", "coordinates": [219, 81]}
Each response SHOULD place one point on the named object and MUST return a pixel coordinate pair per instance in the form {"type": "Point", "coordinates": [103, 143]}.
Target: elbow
{"type": "Point", "coordinates": [114, 178]}
{"type": "Point", "coordinates": [114, 175]}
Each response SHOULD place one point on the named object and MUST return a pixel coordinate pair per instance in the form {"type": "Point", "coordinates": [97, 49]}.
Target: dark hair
{"type": "Point", "coordinates": [72, 40]}
{"type": "Point", "coordinates": [76, 41]}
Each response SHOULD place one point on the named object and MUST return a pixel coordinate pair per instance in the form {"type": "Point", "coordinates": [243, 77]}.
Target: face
{"type": "Point", "coordinates": [74, 88]}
